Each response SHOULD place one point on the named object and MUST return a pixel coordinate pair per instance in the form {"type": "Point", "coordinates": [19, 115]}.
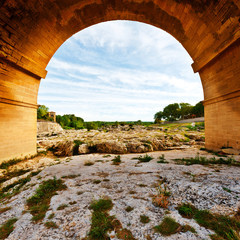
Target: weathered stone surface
{"type": "Point", "coordinates": [230, 151]}
{"type": "Point", "coordinates": [48, 128]}
{"type": "Point", "coordinates": [83, 149]}
{"type": "Point", "coordinates": [63, 149]}
{"type": "Point", "coordinates": [111, 147]}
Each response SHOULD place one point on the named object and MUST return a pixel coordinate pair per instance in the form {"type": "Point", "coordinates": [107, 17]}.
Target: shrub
{"type": "Point", "coordinates": [145, 158]}
{"type": "Point", "coordinates": [117, 160]}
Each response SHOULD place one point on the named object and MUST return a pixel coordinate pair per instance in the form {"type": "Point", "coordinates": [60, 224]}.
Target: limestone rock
{"type": "Point", "coordinates": [63, 149]}
{"type": "Point", "coordinates": [231, 151]}
{"type": "Point", "coordinates": [83, 149]}
{"type": "Point", "coordinates": [111, 147]}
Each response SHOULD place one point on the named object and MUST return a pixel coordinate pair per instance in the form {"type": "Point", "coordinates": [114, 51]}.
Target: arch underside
{"type": "Point", "coordinates": [32, 31]}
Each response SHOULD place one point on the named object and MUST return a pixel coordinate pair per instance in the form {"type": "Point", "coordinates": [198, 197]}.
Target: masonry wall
{"type": "Point", "coordinates": [221, 83]}
{"type": "Point", "coordinates": [18, 115]}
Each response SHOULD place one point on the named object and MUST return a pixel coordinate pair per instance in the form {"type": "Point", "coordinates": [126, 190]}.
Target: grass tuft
{"type": "Point", "coordinates": [38, 204]}
{"type": "Point", "coordinates": [207, 161]}
{"type": "Point", "coordinates": [168, 227]}
{"type": "Point", "coordinates": [116, 160]}
{"type": "Point", "coordinates": [144, 219]}
{"type": "Point", "coordinates": [225, 227]}
{"type": "Point", "coordinates": [145, 158]}
{"type": "Point", "coordinates": [7, 228]}
{"type": "Point", "coordinates": [88, 163]}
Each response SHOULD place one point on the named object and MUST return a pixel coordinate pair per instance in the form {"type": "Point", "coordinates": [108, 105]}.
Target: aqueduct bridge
{"type": "Point", "coordinates": [32, 30]}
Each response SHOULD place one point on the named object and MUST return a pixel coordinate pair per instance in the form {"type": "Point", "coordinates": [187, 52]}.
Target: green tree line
{"type": "Point", "coordinates": [179, 111]}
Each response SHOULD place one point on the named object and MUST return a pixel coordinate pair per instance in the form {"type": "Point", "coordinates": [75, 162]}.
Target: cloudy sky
{"type": "Point", "coordinates": [119, 71]}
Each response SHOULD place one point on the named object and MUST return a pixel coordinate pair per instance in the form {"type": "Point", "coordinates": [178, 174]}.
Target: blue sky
{"type": "Point", "coordinates": [119, 71]}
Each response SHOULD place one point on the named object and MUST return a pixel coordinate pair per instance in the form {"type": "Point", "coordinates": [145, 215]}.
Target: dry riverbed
{"type": "Point", "coordinates": [142, 194]}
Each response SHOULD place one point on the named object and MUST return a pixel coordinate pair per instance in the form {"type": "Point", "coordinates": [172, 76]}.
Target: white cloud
{"type": "Point", "coordinates": [119, 70]}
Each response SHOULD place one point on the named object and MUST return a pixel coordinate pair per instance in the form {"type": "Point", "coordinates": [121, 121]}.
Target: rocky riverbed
{"type": "Point", "coordinates": [123, 139]}
{"type": "Point", "coordinates": [131, 185]}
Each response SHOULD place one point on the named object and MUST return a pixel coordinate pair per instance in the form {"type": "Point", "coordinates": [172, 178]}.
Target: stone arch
{"type": "Point", "coordinates": [32, 31]}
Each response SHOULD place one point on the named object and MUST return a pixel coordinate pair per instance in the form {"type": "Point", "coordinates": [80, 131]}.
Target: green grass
{"type": "Point", "coordinates": [13, 174]}
{"type": "Point", "coordinates": [145, 158]}
{"type": "Point", "coordinates": [144, 219]}
{"type": "Point", "coordinates": [101, 205]}
{"type": "Point", "coordinates": [116, 160]}
{"type": "Point", "coordinates": [207, 161]}
{"type": "Point", "coordinates": [106, 156]}
{"type": "Point", "coordinates": [168, 227]}
{"type": "Point", "coordinates": [16, 186]}
{"type": "Point", "coordinates": [225, 227]}
{"type": "Point", "coordinates": [38, 204]}
{"type": "Point", "coordinates": [7, 164]}
{"type": "Point", "coordinates": [187, 210]}
{"type": "Point", "coordinates": [162, 159]}
{"type": "Point", "coordinates": [7, 228]}
{"type": "Point", "coordinates": [51, 216]}
{"type": "Point", "coordinates": [102, 222]}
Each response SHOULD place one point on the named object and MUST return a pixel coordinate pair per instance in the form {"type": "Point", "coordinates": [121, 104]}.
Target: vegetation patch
{"type": "Point", "coordinates": [50, 224]}
{"type": "Point", "coordinates": [207, 161]}
{"type": "Point", "coordinates": [106, 156]}
{"type": "Point", "coordinates": [16, 186]}
{"type": "Point", "coordinates": [71, 176]}
{"type": "Point", "coordinates": [102, 222]}
{"type": "Point", "coordinates": [5, 209]}
{"type": "Point", "coordinates": [117, 160]}
{"type": "Point", "coordinates": [38, 204]}
{"type": "Point", "coordinates": [10, 175]}
{"type": "Point", "coordinates": [162, 159]}
{"type": "Point", "coordinates": [7, 228]}
{"type": "Point", "coordinates": [168, 227]}
{"type": "Point", "coordinates": [97, 181]}
{"type": "Point", "coordinates": [161, 198]}
{"type": "Point", "coordinates": [51, 216]}
{"type": "Point", "coordinates": [88, 163]}
{"type": "Point", "coordinates": [144, 219]}
{"type": "Point", "coordinates": [129, 209]}
{"type": "Point", "coordinates": [62, 206]}
{"type": "Point", "coordinates": [225, 227]}
{"type": "Point", "coordinates": [7, 164]}
{"type": "Point", "coordinates": [145, 158]}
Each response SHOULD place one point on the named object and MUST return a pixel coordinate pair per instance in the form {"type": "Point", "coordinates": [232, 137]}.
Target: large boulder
{"type": "Point", "coordinates": [63, 149]}
{"type": "Point", "coordinates": [111, 146]}
{"type": "Point", "coordinates": [83, 149]}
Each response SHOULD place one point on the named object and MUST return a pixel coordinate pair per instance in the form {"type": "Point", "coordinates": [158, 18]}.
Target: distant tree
{"type": "Point", "coordinates": [171, 112]}
{"type": "Point", "coordinates": [185, 110]}
{"type": "Point", "coordinates": [198, 110]}
{"type": "Point", "coordinates": [42, 112]}
{"type": "Point", "coordinates": [158, 117]}
{"type": "Point", "coordinates": [70, 121]}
